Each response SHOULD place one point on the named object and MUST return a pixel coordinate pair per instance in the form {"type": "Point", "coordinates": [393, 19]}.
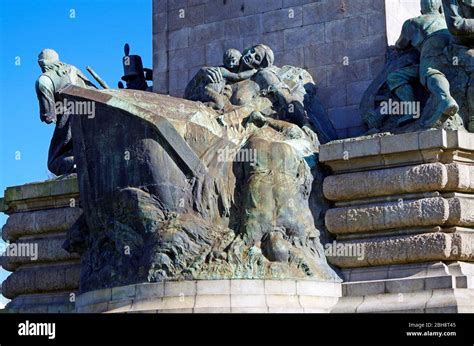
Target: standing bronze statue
{"type": "Point", "coordinates": [56, 75]}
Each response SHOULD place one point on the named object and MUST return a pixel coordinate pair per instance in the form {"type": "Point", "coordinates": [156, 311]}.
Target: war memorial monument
{"type": "Point", "coordinates": [290, 156]}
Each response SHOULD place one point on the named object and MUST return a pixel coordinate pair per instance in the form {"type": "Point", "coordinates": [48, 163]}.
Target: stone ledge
{"type": "Point", "coordinates": [386, 216]}
{"type": "Point", "coordinates": [42, 204]}
{"type": "Point", "coordinates": [406, 249]}
{"type": "Point", "coordinates": [214, 296]}
{"type": "Point", "coordinates": [402, 271]}
{"type": "Point", "coordinates": [47, 188]}
{"type": "Point", "coordinates": [35, 196]}
{"type": "Point", "coordinates": [398, 181]}
{"type": "Point", "coordinates": [418, 295]}
{"type": "Point", "coordinates": [50, 250]}
{"type": "Point", "coordinates": [57, 302]}
{"type": "Point", "coordinates": [389, 199]}
{"type": "Point", "coordinates": [42, 278]}
{"type": "Point", "coordinates": [404, 285]}
{"type": "Point", "coordinates": [425, 212]}
{"type": "Point", "coordinates": [41, 213]}
{"type": "Point", "coordinates": [428, 301]}
{"type": "Point", "coordinates": [382, 151]}
{"type": "Point", "coordinates": [39, 222]}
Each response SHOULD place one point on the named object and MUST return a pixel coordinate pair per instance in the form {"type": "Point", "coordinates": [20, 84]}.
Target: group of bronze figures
{"type": "Point", "coordinates": [431, 65]}
{"type": "Point", "coordinates": [189, 213]}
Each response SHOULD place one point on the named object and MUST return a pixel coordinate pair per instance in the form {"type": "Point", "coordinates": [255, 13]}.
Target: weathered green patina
{"type": "Point", "coordinates": [423, 73]}
{"type": "Point", "coordinates": [172, 189]}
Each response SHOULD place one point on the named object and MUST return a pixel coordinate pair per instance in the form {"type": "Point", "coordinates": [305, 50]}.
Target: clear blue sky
{"type": "Point", "coordinates": [94, 37]}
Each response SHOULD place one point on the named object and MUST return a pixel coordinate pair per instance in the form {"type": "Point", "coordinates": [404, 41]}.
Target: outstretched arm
{"type": "Point", "coordinates": [237, 77]}
{"type": "Point", "coordinates": [290, 130]}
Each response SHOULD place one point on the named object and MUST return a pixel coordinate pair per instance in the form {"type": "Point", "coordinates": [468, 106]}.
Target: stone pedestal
{"type": "Point", "coordinates": [40, 214]}
{"type": "Point", "coordinates": [420, 288]}
{"type": "Point", "coordinates": [406, 204]}
{"type": "Point", "coordinates": [411, 288]}
{"type": "Point", "coordinates": [402, 215]}
{"type": "Point", "coordinates": [215, 296]}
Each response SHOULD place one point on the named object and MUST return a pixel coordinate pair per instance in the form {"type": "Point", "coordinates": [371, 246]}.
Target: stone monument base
{"type": "Point", "coordinates": [39, 215]}
{"type": "Point", "coordinates": [406, 200]}
{"type": "Point", "coordinates": [420, 288]}
{"type": "Point", "coordinates": [417, 288]}
{"type": "Point", "coordinates": [214, 296]}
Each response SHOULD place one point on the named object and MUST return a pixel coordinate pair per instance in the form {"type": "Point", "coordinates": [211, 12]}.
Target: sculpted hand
{"type": "Point", "coordinates": [214, 74]}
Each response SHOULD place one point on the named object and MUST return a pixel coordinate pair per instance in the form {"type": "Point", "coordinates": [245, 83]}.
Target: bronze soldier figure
{"type": "Point", "coordinates": [56, 75]}
{"type": "Point", "coordinates": [428, 34]}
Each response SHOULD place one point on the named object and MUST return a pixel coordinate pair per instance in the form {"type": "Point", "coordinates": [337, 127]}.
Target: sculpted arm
{"type": "Point", "coordinates": [457, 25]}
{"type": "Point", "coordinates": [404, 41]}
{"type": "Point", "coordinates": [45, 93]}
{"type": "Point", "coordinates": [237, 77]}
{"type": "Point", "coordinates": [290, 130]}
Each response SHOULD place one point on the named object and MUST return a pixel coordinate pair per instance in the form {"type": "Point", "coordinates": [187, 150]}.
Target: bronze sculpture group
{"type": "Point", "coordinates": [430, 65]}
{"type": "Point", "coordinates": [152, 176]}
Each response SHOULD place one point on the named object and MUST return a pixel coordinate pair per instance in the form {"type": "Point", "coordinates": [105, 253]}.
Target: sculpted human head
{"type": "Point", "coordinates": [232, 59]}
{"type": "Point", "coordinates": [431, 6]}
{"type": "Point", "coordinates": [48, 59]}
{"type": "Point", "coordinates": [259, 56]}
